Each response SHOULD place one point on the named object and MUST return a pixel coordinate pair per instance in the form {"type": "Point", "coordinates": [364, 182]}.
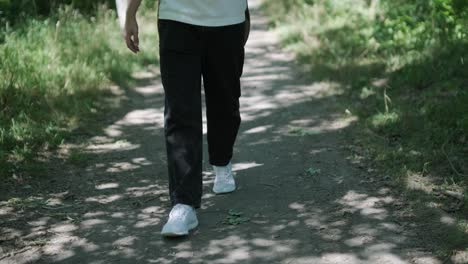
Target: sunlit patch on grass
{"type": "Point", "coordinates": [463, 225]}
{"type": "Point", "coordinates": [25, 203]}
{"type": "Point", "coordinates": [382, 120]}
{"type": "Point", "coordinates": [366, 92]}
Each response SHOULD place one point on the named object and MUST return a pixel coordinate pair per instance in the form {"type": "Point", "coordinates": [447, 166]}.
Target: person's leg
{"type": "Point", "coordinates": [222, 64]}
{"type": "Point", "coordinates": [181, 77]}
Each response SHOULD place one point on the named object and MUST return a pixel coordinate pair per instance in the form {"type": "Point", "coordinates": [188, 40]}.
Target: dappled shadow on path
{"type": "Point", "coordinates": [304, 201]}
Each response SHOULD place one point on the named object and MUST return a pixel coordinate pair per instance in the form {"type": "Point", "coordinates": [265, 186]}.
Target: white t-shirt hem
{"type": "Point", "coordinates": [208, 22]}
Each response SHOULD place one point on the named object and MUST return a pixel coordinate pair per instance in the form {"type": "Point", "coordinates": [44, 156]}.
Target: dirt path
{"type": "Point", "coordinates": [300, 198]}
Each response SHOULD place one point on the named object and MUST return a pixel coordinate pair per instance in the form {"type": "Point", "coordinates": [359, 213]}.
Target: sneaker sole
{"type": "Point", "coordinates": [224, 192]}
{"type": "Point", "coordinates": [175, 234]}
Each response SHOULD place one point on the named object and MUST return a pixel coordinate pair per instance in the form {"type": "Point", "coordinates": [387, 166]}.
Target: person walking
{"type": "Point", "coordinates": [202, 39]}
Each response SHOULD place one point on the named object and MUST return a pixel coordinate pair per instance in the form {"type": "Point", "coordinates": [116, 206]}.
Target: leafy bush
{"type": "Point", "coordinates": [46, 7]}
{"type": "Point", "coordinates": [19, 10]}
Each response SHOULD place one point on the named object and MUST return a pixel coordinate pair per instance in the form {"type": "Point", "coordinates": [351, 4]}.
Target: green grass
{"type": "Point", "coordinates": [235, 218]}
{"type": "Point", "coordinates": [403, 71]}
{"type": "Point", "coordinates": [54, 78]}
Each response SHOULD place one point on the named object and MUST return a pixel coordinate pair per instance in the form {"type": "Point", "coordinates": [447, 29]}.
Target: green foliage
{"type": "Point", "coordinates": [19, 10]}
{"type": "Point", "coordinates": [53, 77]}
{"type": "Point", "coordinates": [405, 26]}
{"type": "Point", "coordinates": [370, 28]}
{"type": "Point", "coordinates": [235, 218]}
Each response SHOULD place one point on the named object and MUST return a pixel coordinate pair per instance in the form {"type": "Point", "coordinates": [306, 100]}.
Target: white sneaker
{"type": "Point", "coordinates": [224, 181]}
{"type": "Point", "coordinates": [182, 219]}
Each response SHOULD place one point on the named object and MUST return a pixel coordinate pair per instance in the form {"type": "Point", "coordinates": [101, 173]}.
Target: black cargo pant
{"type": "Point", "coordinates": [188, 53]}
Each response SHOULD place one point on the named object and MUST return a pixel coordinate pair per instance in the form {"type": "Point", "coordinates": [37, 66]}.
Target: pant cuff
{"type": "Point", "coordinates": [195, 205]}
{"type": "Point", "coordinates": [219, 163]}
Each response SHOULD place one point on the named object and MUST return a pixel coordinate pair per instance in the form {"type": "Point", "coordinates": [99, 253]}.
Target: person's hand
{"type": "Point", "coordinates": [131, 34]}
